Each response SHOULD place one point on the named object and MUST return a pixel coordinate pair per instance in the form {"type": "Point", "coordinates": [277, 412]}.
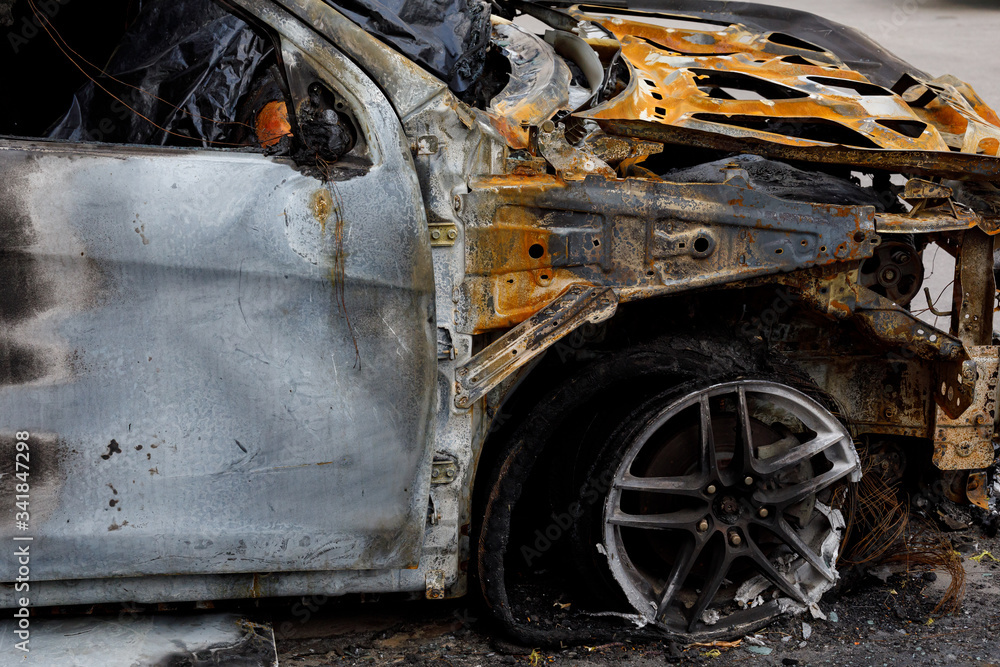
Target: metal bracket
{"type": "Point", "coordinates": [966, 443]}
{"type": "Point", "coordinates": [569, 162]}
{"type": "Point", "coordinates": [579, 305]}
{"type": "Point", "coordinates": [443, 472]}
{"type": "Point", "coordinates": [435, 584]}
{"type": "Point", "coordinates": [955, 379]}
{"type": "Point", "coordinates": [443, 233]}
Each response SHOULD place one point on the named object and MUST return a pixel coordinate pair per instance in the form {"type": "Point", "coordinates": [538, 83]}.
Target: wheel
{"type": "Point", "coordinates": [719, 514]}
{"type": "Point", "coordinates": [700, 476]}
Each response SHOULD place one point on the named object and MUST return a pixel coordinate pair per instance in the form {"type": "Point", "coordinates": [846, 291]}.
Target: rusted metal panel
{"type": "Point", "coordinates": [741, 90]}
{"type": "Point", "coordinates": [579, 305]}
{"type": "Point", "coordinates": [538, 86]}
{"type": "Point", "coordinates": [530, 238]}
{"type": "Point", "coordinates": [966, 442]}
{"type": "Point", "coordinates": [975, 290]}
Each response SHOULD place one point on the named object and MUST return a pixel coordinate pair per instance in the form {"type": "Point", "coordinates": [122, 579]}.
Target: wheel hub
{"type": "Point", "coordinates": [895, 271]}
{"type": "Point", "coordinates": [728, 509]}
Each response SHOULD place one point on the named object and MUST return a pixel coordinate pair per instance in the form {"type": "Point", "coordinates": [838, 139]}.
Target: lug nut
{"type": "Point", "coordinates": [763, 513]}
{"type": "Point", "coordinates": [748, 481]}
{"type": "Point", "coordinates": [711, 489]}
{"type": "Point", "coordinates": [703, 525]}
{"type": "Point", "coordinates": [735, 539]}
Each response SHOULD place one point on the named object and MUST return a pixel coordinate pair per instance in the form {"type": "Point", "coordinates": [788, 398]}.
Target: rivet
{"type": "Point", "coordinates": [735, 539]}
{"type": "Point", "coordinates": [763, 513]}
{"type": "Point", "coordinates": [703, 525]}
{"type": "Point", "coordinates": [748, 481]}
{"type": "Point", "coordinates": [711, 489]}
{"type": "Point", "coordinates": [452, 235]}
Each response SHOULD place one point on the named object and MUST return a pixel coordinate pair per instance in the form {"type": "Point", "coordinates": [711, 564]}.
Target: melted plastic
{"type": "Point", "coordinates": [450, 38]}
{"type": "Point", "coordinates": [179, 76]}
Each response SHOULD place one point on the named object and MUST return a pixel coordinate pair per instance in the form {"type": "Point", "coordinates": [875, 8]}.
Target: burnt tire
{"type": "Point", "coordinates": [632, 390]}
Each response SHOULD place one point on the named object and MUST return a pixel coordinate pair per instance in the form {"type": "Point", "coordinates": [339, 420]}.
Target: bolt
{"type": "Point", "coordinates": [735, 539]}
{"type": "Point", "coordinates": [450, 474]}
{"type": "Point", "coordinates": [703, 525]}
{"type": "Point", "coordinates": [435, 473]}
{"type": "Point", "coordinates": [436, 234]}
{"type": "Point", "coordinates": [969, 370]}
{"type": "Point", "coordinates": [711, 489]}
{"type": "Point", "coordinates": [890, 412]}
{"type": "Point", "coordinates": [452, 235]}
{"type": "Point", "coordinates": [748, 481]}
{"type": "Point", "coordinates": [762, 513]}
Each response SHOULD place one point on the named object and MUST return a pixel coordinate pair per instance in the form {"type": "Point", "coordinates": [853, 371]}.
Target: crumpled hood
{"type": "Point", "coordinates": [783, 89]}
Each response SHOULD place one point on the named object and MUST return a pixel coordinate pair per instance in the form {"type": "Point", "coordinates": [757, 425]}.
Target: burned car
{"type": "Point", "coordinates": [537, 300]}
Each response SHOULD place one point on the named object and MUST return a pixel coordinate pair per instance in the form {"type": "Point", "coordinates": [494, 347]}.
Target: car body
{"type": "Point", "coordinates": [244, 375]}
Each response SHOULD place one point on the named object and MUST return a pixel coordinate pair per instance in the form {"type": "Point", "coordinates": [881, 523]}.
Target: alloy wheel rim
{"type": "Point", "coordinates": [745, 510]}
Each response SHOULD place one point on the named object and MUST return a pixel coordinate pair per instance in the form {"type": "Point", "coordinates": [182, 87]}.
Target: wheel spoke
{"type": "Point", "coordinates": [792, 539]}
{"type": "Point", "coordinates": [745, 435]}
{"type": "Point", "coordinates": [678, 486]}
{"type": "Point", "coordinates": [686, 558]}
{"type": "Point", "coordinates": [799, 454]}
{"type": "Point", "coordinates": [718, 568]}
{"type": "Point", "coordinates": [768, 569]}
{"type": "Point", "coordinates": [681, 519]}
{"type": "Point", "coordinates": [798, 492]}
{"type": "Point", "coordinates": [709, 462]}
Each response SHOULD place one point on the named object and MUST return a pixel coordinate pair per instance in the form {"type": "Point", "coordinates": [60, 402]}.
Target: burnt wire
{"type": "Point", "coordinates": [339, 270]}
{"type": "Point", "coordinates": [877, 516]}
{"type": "Point", "coordinates": [924, 549]}
{"type": "Point", "coordinates": [879, 532]}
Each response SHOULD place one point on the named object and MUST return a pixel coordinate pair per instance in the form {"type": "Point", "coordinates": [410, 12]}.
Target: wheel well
{"type": "Point", "coordinates": [530, 463]}
{"type": "Point", "coordinates": [715, 316]}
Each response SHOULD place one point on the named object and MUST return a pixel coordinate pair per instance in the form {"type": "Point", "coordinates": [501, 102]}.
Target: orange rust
{"type": "Point", "coordinates": [684, 78]}
{"type": "Point", "coordinates": [272, 124]}
{"type": "Point", "coordinates": [322, 206]}
{"type": "Point", "coordinates": [518, 296]}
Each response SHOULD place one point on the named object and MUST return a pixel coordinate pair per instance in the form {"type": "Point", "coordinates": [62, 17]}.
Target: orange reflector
{"type": "Point", "coordinates": [272, 124]}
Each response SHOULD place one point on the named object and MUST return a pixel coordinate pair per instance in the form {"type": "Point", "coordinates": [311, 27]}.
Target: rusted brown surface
{"type": "Point", "coordinates": [602, 211]}
{"type": "Point", "coordinates": [977, 490]}
{"type": "Point", "coordinates": [529, 238]}
{"type": "Point", "coordinates": [790, 99]}
{"type": "Point", "coordinates": [975, 289]}
{"type": "Point", "coordinates": [966, 442]}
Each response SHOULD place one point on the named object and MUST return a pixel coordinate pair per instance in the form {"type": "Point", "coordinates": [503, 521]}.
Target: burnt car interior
{"type": "Point", "coordinates": [674, 253]}
{"type": "Point", "coordinates": [178, 74]}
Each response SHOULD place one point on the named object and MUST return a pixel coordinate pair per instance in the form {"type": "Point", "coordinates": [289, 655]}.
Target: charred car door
{"type": "Point", "coordinates": [225, 361]}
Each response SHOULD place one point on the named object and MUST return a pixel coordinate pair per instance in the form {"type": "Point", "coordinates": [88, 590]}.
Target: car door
{"type": "Point", "coordinates": [224, 361]}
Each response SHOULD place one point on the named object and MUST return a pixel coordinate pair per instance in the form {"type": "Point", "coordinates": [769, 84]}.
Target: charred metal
{"type": "Point", "coordinates": [666, 258]}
